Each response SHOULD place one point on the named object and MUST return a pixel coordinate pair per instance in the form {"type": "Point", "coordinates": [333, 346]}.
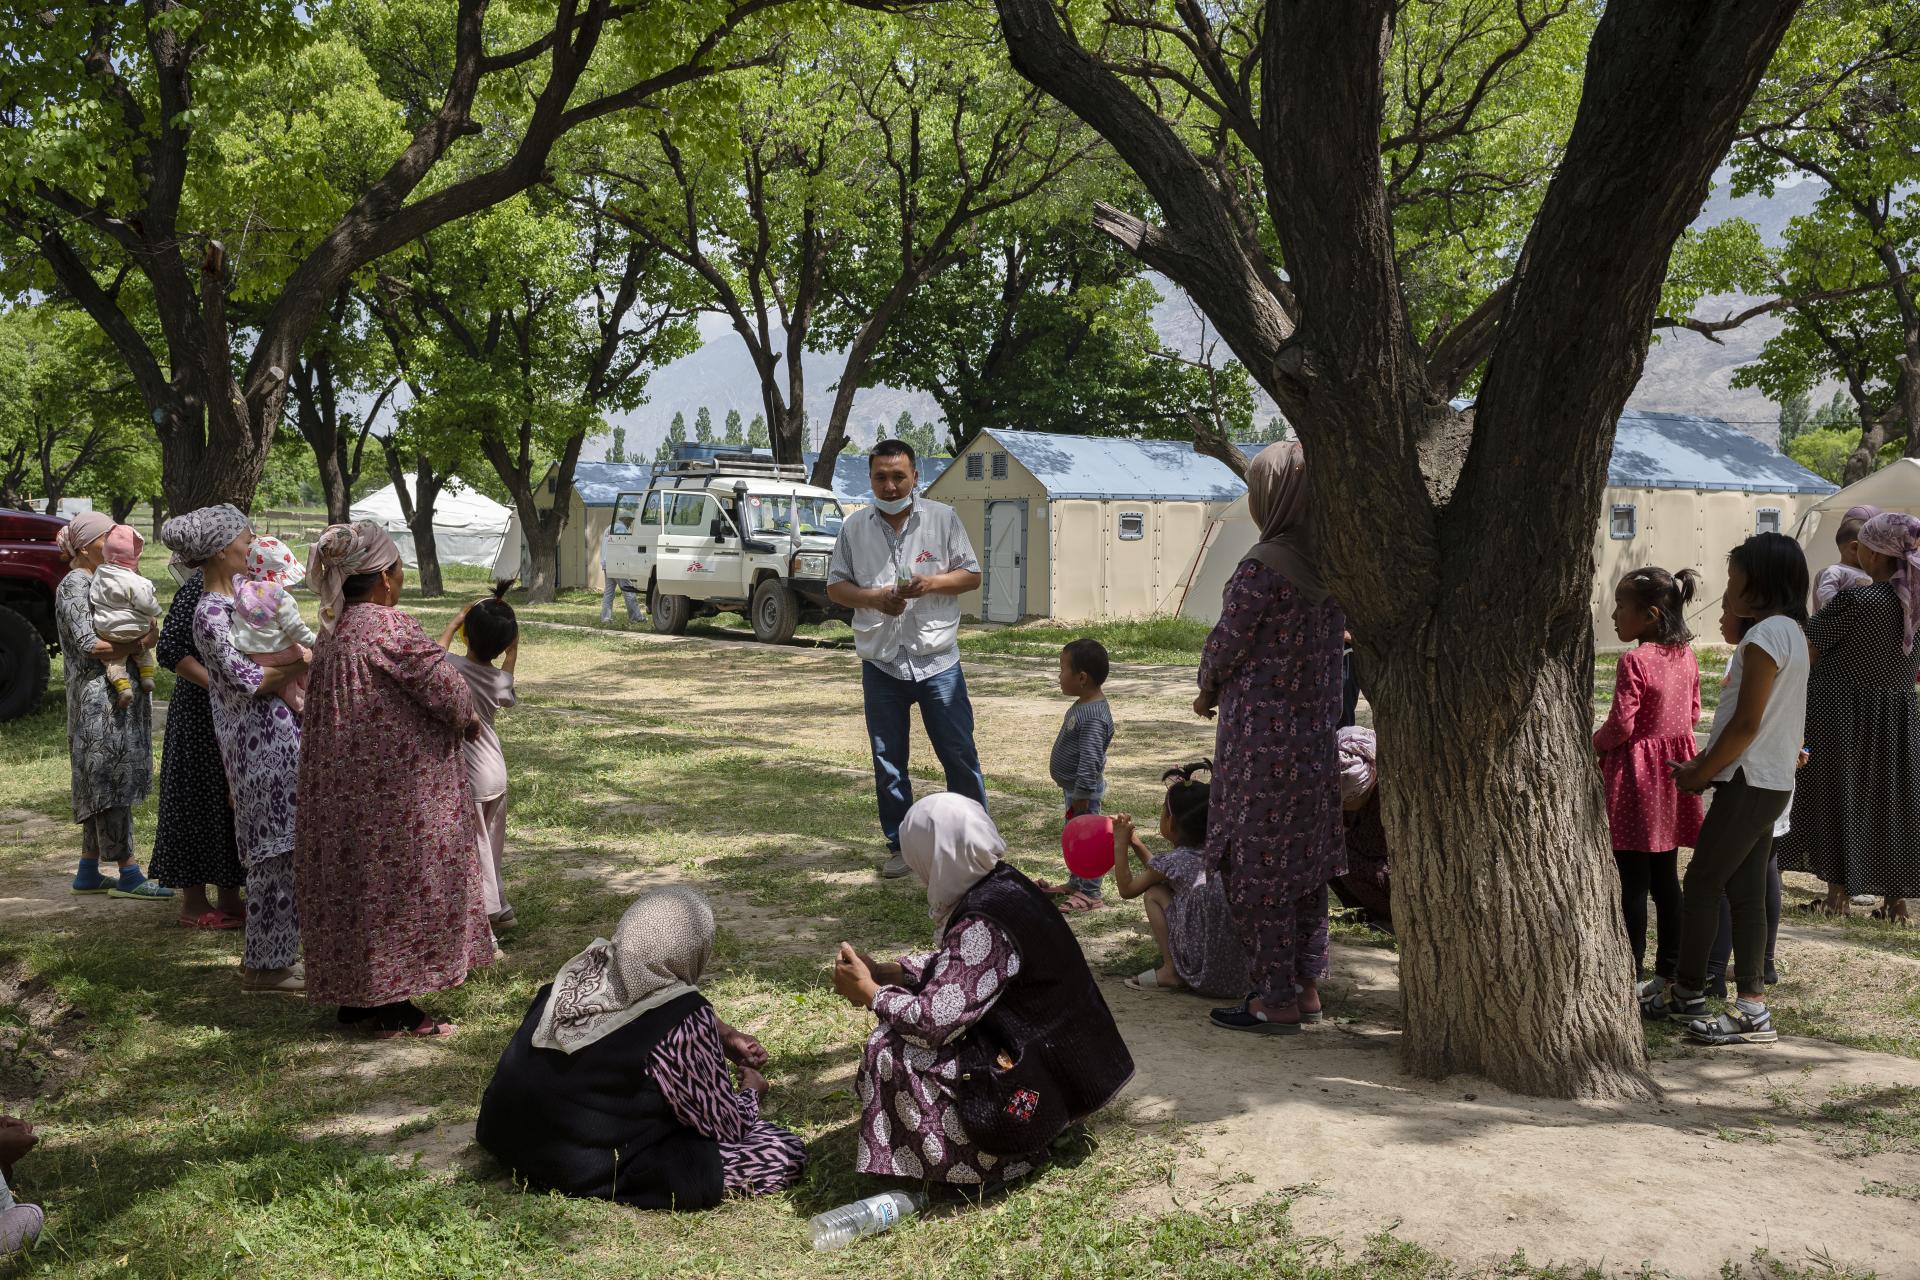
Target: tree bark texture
{"type": "Point", "coordinates": [1460, 545]}
{"type": "Point", "coordinates": [416, 508]}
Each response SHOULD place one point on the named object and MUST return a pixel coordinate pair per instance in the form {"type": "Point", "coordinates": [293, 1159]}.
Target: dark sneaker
{"type": "Point", "coordinates": [895, 867]}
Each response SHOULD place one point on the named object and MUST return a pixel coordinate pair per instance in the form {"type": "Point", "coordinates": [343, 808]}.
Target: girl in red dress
{"type": "Point", "coordinates": [1656, 703]}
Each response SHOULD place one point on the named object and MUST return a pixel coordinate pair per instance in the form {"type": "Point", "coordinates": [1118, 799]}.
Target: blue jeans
{"type": "Point", "coordinates": [948, 717]}
{"type": "Point", "coordinates": [1080, 884]}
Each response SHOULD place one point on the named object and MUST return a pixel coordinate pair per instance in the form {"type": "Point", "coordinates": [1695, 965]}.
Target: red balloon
{"type": "Point", "coordinates": [1087, 844]}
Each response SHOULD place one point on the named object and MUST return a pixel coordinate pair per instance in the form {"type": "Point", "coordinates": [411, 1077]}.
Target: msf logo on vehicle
{"type": "Point", "coordinates": [696, 566]}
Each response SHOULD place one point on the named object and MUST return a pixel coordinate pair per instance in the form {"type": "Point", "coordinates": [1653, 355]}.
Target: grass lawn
{"type": "Point", "coordinates": [191, 1131]}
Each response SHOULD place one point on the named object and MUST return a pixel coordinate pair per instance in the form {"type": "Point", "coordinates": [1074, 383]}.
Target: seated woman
{"type": "Point", "coordinates": [615, 1086]}
{"type": "Point", "coordinates": [1367, 884]}
{"type": "Point", "coordinates": [992, 1045]}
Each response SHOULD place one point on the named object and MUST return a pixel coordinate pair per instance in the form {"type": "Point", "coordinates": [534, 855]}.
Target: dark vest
{"type": "Point", "coordinates": [1052, 1007]}
{"type": "Point", "coordinates": [593, 1123]}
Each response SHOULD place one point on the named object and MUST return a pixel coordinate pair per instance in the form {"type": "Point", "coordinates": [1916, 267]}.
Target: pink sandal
{"type": "Point", "coordinates": [211, 920]}
{"type": "Point", "coordinates": [428, 1028]}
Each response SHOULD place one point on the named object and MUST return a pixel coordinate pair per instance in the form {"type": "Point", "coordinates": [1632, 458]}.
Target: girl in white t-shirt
{"type": "Point", "coordinates": [1749, 764]}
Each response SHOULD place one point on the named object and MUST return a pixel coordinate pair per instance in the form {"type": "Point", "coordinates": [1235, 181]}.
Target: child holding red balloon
{"type": "Point", "coordinates": [1186, 908]}
{"type": "Point", "coordinates": [1079, 760]}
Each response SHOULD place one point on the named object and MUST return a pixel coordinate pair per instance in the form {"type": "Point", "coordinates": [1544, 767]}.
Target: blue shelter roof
{"type": "Point", "coordinates": [599, 483]}
{"type": "Point", "coordinates": [1111, 467]}
{"type": "Point", "coordinates": [1680, 451]}
{"type": "Point", "coordinates": [850, 475]}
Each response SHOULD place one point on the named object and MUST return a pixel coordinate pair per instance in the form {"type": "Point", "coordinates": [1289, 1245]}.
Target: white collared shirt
{"type": "Point", "coordinates": [924, 640]}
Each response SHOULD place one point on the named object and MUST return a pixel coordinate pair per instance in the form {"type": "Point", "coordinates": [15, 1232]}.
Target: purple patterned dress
{"type": "Point", "coordinates": [1274, 832]}
{"type": "Point", "coordinates": [757, 1157]}
{"type": "Point", "coordinates": [909, 1125]}
{"type": "Point", "coordinates": [260, 750]}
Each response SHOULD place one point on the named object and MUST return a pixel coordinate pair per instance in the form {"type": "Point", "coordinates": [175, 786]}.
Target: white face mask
{"type": "Point", "coordinates": [893, 506]}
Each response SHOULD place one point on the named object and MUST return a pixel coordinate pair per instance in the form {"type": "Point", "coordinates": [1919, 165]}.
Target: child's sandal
{"type": "Point", "coordinates": [1150, 981]}
{"type": "Point", "coordinates": [1735, 1026]}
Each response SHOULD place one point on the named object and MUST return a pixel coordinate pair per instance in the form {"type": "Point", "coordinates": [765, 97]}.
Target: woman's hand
{"type": "Point", "coordinates": [16, 1139]}
{"type": "Point", "coordinates": [741, 1047]}
{"type": "Point", "coordinates": [887, 973]}
{"type": "Point", "coordinates": [1204, 704]}
{"type": "Point", "coordinates": [107, 650]}
{"type": "Point", "coordinates": [852, 979]}
{"type": "Point", "coordinates": [752, 1079]}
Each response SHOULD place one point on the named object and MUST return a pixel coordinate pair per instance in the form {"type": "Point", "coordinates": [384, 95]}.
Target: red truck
{"type": "Point", "coordinates": [31, 567]}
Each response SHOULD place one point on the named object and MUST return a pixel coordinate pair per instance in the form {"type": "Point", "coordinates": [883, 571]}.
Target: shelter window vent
{"type": "Point", "coordinates": [1133, 526]}
{"type": "Point", "coordinates": [999, 466]}
{"type": "Point", "coordinates": [1767, 520]}
{"type": "Point", "coordinates": [976, 466]}
{"type": "Point", "coordinates": [1624, 522]}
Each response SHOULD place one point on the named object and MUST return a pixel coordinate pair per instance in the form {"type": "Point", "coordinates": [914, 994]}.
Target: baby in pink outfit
{"type": "Point", "coordinates": [267, 626]}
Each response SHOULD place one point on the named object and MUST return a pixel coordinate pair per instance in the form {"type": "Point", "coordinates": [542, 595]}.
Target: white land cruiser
{"type": "Point", "coordinates": [729, 534]}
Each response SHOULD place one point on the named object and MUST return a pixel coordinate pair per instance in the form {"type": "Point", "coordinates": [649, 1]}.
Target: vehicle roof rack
{"type": "Point", "coordinates": [738, 464]}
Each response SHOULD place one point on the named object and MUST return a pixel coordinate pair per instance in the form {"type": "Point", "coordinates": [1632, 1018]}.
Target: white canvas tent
{"type": "Point", "coordinates": [1228, 538]}
{"type": "Point", "coordinates": [468, 527]}
{"type": "Point", "coordinates": [1895, 487]}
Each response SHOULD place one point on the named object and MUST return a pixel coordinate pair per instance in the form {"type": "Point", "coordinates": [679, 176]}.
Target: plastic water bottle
{"type": "Point", "coordinates": [838, 1227]}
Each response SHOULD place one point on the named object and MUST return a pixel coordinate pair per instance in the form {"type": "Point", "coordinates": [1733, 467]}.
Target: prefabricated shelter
{"type": "Point", "coordinates": [1081, 528]}
{"type": "Point", "coordinates": [1681, 492]}
{"type": "Point", "coordinates": [1895, 487]}
{"type": "Point", "coordinates": [596, 485]}
{"type": "Point", "coordinates": [468, 527]}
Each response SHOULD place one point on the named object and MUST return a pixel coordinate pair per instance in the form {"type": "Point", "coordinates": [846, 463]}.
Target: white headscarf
{"type": "Point", "coordinates": [951, 844]}
{"type": "Point", "coordinates": [659, 950]}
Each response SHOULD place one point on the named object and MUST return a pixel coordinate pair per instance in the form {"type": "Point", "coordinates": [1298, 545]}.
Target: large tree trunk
{"type": "Point", "coordinates": [416, 507]}
{"type": "Point", "coordinates": [1873, 437]}
{"type": "Point", "coordinates": [1513, 960]}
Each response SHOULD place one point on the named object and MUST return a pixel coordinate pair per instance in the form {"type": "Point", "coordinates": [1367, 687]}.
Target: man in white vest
{"type": "Point", "coordinates": [901, 565]}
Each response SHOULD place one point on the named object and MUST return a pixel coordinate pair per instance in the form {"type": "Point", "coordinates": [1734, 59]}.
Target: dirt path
{"type": "Point", "coordinates": [1457, 1166]}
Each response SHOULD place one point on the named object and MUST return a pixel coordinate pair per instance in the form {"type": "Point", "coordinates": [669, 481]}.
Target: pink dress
{"type": "Point", "coordinates": [390, 897]}
{"type": "Point", "coordinates": [1656, 703]}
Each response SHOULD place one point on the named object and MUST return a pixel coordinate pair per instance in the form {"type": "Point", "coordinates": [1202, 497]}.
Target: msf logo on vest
{"type": "Point", "coordinates": [925, 557]}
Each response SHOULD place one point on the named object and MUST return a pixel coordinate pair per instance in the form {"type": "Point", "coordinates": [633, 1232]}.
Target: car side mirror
{"type": "Point", "coordinates": [717, 530]}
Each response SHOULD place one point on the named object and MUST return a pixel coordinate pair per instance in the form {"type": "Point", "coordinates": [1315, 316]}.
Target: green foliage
{"type": "Point", "coordinates": [617, 451]}
{"type": "Point", "coordinates": [1825, 450]}
{"type": "Point", "coordinates": [70, 423]}
{"type": "Point", "coordinates": [292, 477]}
{"type": "Point", "coordinates": [1795, 415]}
{"type": "Point", "coordinates": [1838, 413]}
{"type": "Point", "coordinates": [736, 434]}
{"type": "Point", "coordinates": [675, 437]}
{"type": "Point", "coordinates": [1841, 105]}
{"type": "Point", "coordinates": [703, 425]}
{"type": "Point", "coordinates": [758, 437]}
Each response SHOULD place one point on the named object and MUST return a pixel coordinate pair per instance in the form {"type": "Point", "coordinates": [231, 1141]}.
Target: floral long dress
{"type": "Point", "coordinates": [1273, 821]}
{"type": "Point", "coordinates": [757, 1157]}
{"type": "Point", "coordinates": [111, 749]}
{"type": "Point", "coordinates": [193, 840]}
{"type": "Point", "coordinates": [260, 750]}
{"type": "Point", "coordinates": [389, 887]}
{"type": "Point", "coordinates": [909, 1125]}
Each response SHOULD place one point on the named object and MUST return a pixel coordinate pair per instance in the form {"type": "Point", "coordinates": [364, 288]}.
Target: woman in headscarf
{"type": "Point", "coordinates": [193, 842]}
{"type": "Point", "coordinates": [111, 747]}
{"type": "Point", "coordinates": [615, 1087]}
{"type": "Point", "coordinates": [992, 1044]}
{"type": "Point", "coordinates": [1856, 803]}
{"type": "Point", "coordinates": [259, 738]}
{"type": "Point", "coordinates": [390, 894]}
{"type": "Point", "coordinates": [1272, 669]}
{"type": "Point", "coordinates": [1367, 883]}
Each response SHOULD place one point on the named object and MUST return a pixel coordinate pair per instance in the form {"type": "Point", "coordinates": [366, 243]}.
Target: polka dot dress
{"type": "Point", "coordinates": [1856, 802]}
{"type": "Point", "coordinates": [193, 843]}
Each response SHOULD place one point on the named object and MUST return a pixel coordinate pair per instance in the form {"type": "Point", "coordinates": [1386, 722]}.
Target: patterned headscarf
{"type": "Point", "coordinates": [658, 952]}
{"type": "Point", "coordinates": [1277, 500]}
{"type": "Point", "coordinates": [951, 844]}
{"type": "Point", "coordinates": [197, 536]}
{"type": "Point", "coordinates": [272, 560]}
{"type": "Point", "coordinates": [340, 552]}
{"type": "Point", "coordinates": [1358, 772]}
{"type": "Point", "coordinates": [1897, 534]}
{"type": "Point", "coordinates": [81, 532]}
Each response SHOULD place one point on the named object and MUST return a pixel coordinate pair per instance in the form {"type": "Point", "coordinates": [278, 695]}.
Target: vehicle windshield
{"type": "Point", "coordinates": [787, 513]}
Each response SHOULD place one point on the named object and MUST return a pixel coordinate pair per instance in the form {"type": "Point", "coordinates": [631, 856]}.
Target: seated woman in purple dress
{"type": "Point", "coordinates": [991, 1045]}
{"type": "Point", "coordinates": [615, 1086]}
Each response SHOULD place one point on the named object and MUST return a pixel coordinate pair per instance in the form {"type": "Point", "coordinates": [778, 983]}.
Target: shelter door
{"type": "Point", "coordinates": [1006, 549]}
